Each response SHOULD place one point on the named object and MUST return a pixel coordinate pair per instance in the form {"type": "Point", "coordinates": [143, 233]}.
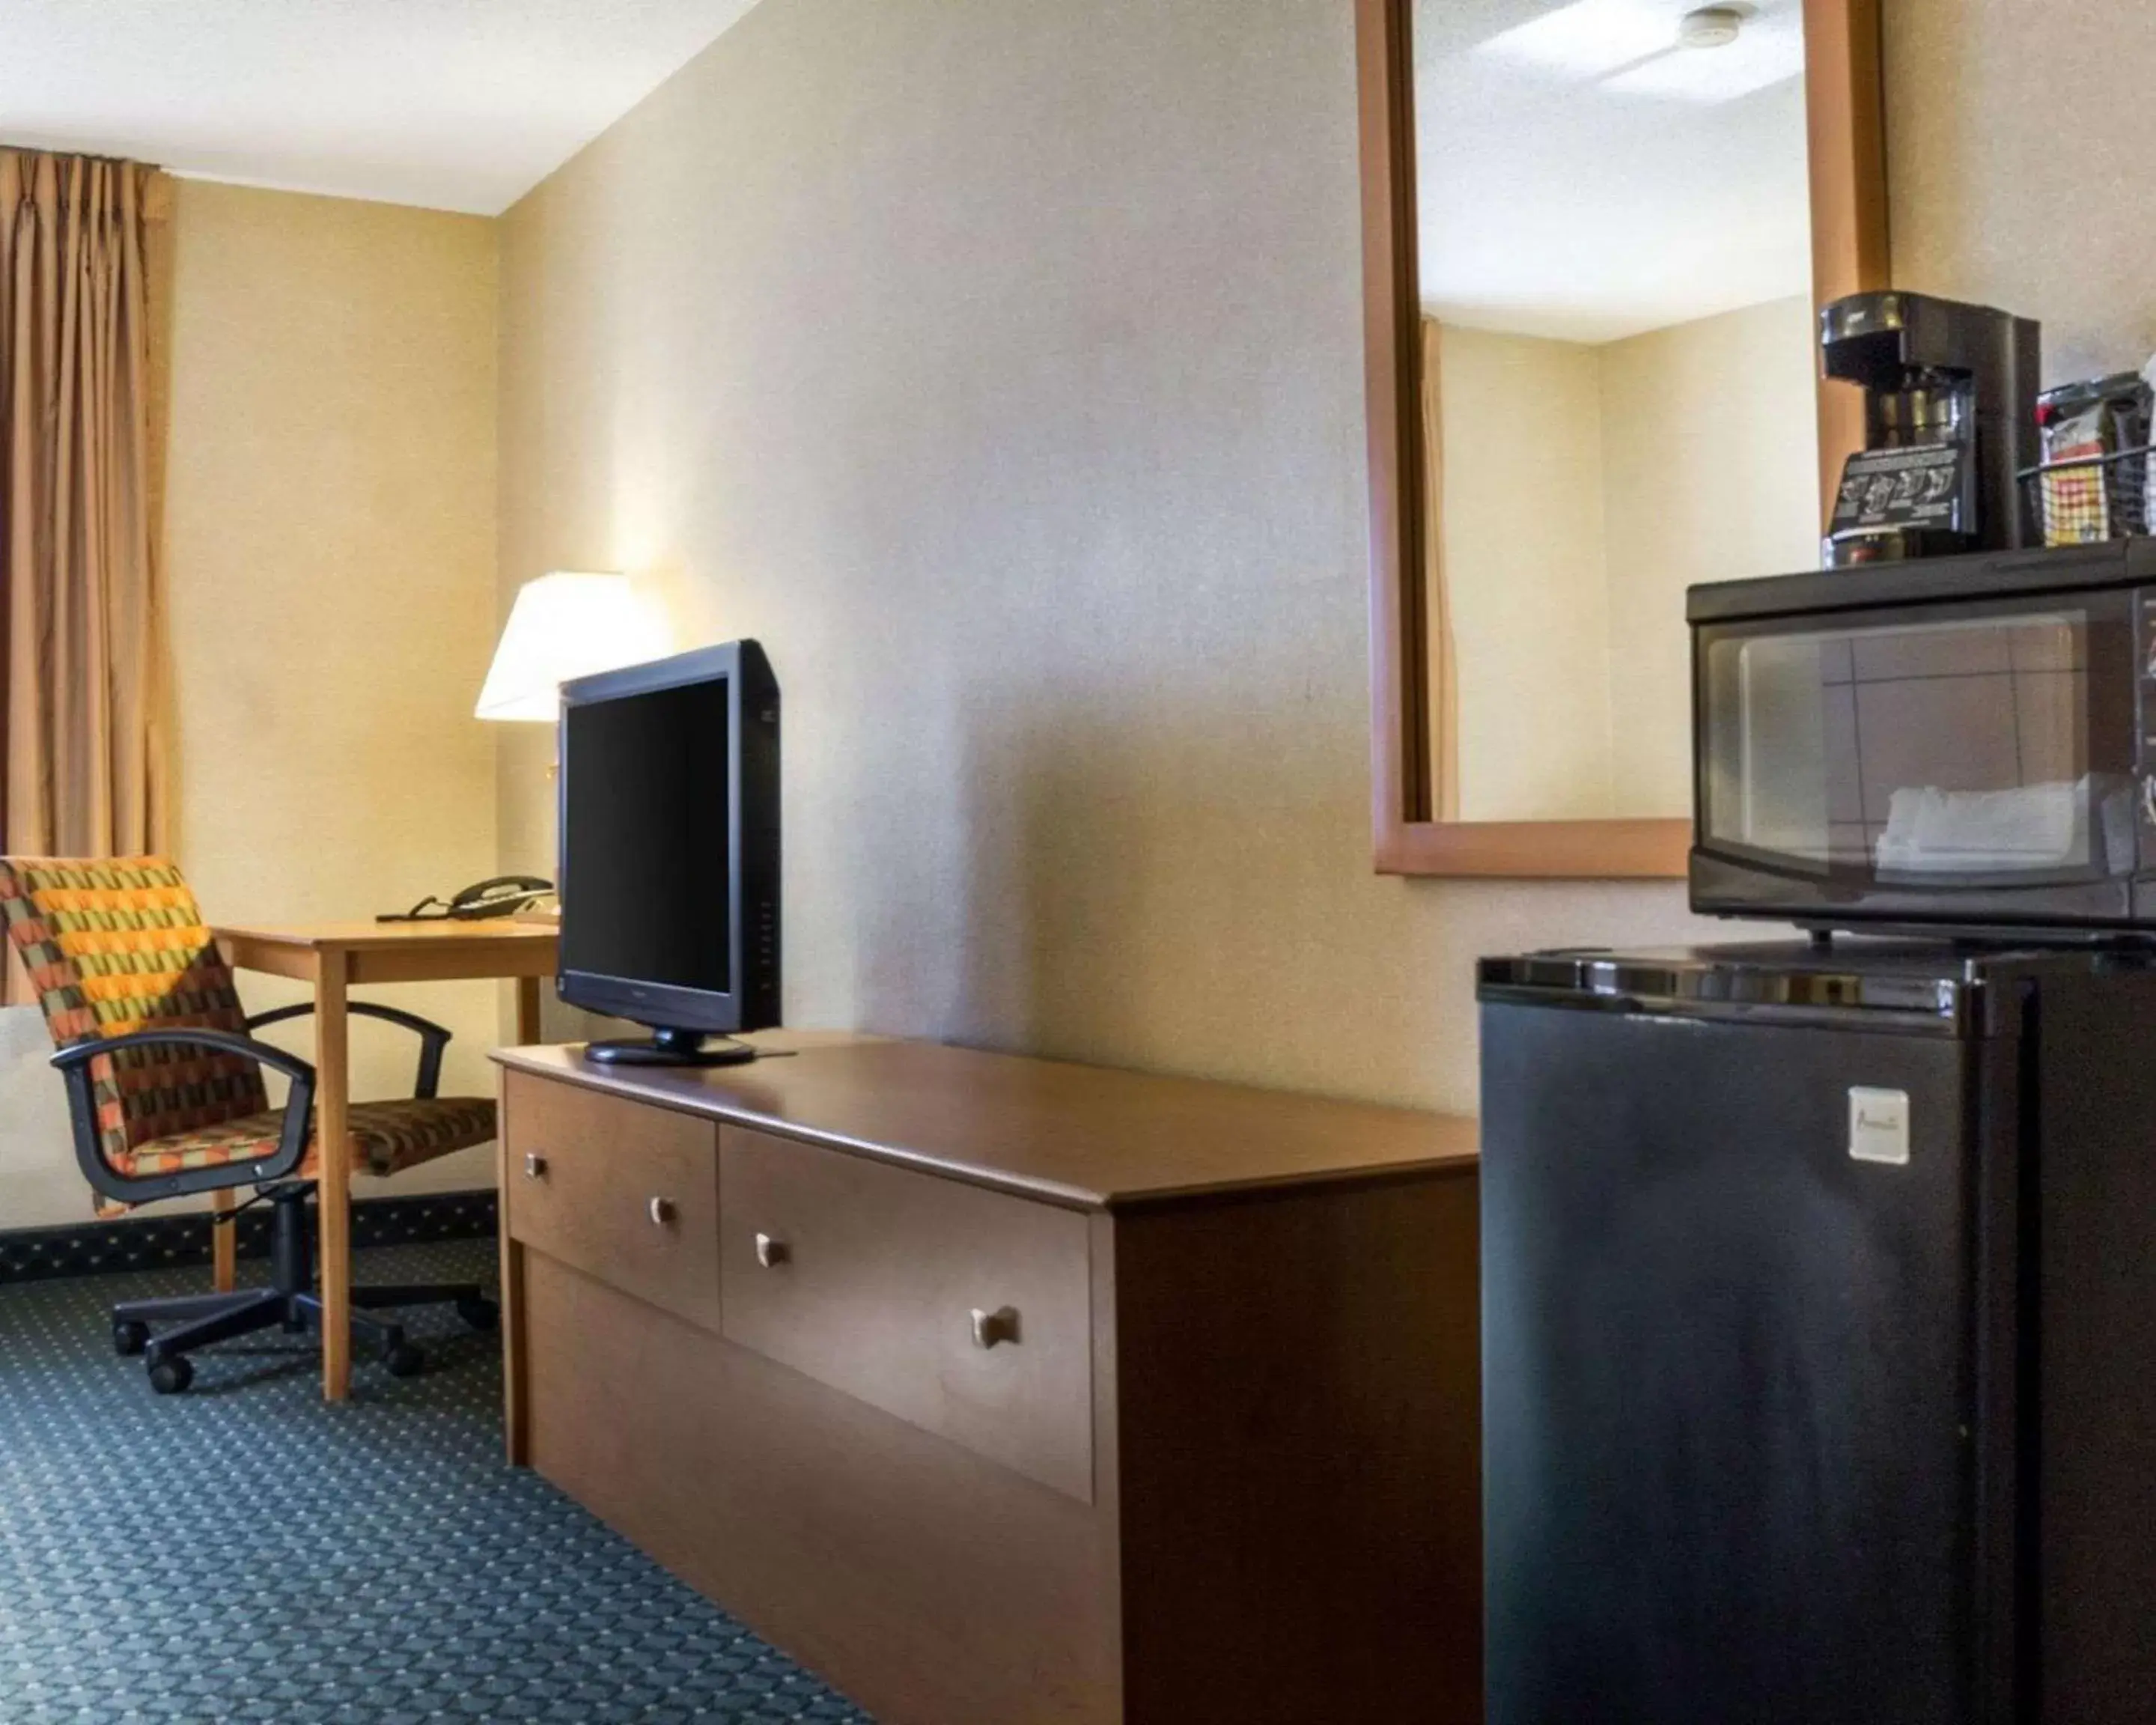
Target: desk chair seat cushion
{"type": "Point", "coordinates": [387, 1138]}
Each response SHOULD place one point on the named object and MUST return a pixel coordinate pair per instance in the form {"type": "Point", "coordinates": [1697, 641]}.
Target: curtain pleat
{"type": "Point", "coordinates": [82, 734]}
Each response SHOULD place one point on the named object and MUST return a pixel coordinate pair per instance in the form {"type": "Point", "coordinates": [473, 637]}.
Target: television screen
{"type": "Point", "coordinates": [645, 862]}
{"type": "Point", "coordinates": [669, 834]}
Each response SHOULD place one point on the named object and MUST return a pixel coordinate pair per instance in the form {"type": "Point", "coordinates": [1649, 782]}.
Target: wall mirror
{"type": "Point", "coordinates": [1596, 234]}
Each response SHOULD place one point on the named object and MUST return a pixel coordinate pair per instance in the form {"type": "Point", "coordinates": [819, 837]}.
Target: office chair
{"type": "Point", "coordinates": [165, 1097]}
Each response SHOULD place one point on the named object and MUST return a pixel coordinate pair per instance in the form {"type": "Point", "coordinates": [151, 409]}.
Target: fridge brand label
{"type": "Point", "coordinates": [1879, 1124]}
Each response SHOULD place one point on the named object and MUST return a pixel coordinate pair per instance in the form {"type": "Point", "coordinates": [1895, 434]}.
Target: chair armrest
{"type": "Point", "coordinates": [77, 1054]}
{"type": "Point", "coordinates": [433, 1038]}
{"type": "Point", "coordinates": [74, 1064]}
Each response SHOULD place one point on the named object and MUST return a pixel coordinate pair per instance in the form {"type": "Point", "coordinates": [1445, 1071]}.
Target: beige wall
{"type": "Point", "coordinates": [1000, 367]}
{"type": "Point", "coordinates": [1711, 468]}
{"type": "Point", "coordinates": [1528, 574]}
{"type": "Point", "coordinates": [2019, 163]}
{"type": "Point", "coordinates": [330, 540]}
{"type": "Point", "coordinates": [1585, 489]}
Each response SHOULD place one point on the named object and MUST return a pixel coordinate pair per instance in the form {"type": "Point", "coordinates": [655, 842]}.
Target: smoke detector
{"type": "Point", "coordinates": [1711, 26]}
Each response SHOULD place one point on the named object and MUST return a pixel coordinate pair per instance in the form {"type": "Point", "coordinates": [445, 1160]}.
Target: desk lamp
{"type": "Point", "coordinates": [565, 626]}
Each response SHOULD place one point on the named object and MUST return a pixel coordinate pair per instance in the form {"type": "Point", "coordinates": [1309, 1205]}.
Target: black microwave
{"type": "Point", "coordinates": [1955, 744]}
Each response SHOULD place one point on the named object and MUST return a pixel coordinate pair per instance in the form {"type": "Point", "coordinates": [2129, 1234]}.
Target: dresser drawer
{"type": "Point", "coordinates": [964, 1311]}
{"type": "Point", "coordinates": [624, 1192]}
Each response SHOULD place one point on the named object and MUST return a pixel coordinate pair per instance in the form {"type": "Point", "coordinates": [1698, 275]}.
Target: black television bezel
{"type": "Point", "coordinates": [743, 1005]}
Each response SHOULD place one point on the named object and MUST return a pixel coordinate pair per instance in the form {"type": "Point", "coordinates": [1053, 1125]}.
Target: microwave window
{"type": "Point", "coordinates": [1921, 750]}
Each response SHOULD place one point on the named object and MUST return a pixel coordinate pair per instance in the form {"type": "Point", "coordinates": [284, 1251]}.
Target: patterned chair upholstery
{"type": "Point", "coordinates": [387, 1138]}
{"type": "Point", "coordinates": [116, 947]}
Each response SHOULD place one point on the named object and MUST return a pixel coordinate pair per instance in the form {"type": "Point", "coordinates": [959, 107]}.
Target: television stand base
{"type": "Point", "coordinates": [669, 1048]}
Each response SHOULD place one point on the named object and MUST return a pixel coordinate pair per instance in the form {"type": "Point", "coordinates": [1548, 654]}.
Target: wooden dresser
{"type": "Point", "coordinates": [1001, 1391]}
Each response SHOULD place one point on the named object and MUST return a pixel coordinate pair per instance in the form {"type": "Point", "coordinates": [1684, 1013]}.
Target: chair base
{"type": "Point", "coordinates": [290, 1303]}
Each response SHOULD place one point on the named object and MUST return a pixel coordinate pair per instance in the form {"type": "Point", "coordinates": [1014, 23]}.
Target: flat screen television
{"type": "Point", "coordinates": [668, 875]}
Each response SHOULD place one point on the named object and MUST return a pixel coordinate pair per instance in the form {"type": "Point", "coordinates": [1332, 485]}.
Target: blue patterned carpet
{"type": "Point", "coordinates": [243, 1553]}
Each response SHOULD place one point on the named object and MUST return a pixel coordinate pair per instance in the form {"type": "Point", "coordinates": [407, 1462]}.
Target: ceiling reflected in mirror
{"type": "Point", "coordinates": [1585, 174]}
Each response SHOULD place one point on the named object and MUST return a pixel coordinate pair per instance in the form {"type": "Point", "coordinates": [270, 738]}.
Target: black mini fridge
{"type": "Point", "coordinates": [1820, 1336]}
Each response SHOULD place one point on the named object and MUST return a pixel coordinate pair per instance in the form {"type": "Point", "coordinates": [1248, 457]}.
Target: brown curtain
{"type": "Point", "coordinates": [83, 731]}
{"type": "Point", "coordinates": [1442, 668]}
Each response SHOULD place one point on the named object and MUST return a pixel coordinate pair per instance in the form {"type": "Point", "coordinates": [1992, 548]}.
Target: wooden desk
{"type": "Point", "coordinates": [1010, 1392]}
{"type": "Point", "coordinates": [334, 957]}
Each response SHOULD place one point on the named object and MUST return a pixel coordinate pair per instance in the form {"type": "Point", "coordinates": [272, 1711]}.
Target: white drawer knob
{"type": "Point", "coordinates": [535, 1166]}
{"type": "Point", "coordinates": [772, 1253]}
{"type": "Point", "coordinates": [990, 1327]}
{"type": "Point", "coordinates": [662, 1211]}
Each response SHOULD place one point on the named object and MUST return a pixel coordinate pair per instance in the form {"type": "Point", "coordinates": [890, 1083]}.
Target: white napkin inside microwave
{"type": "Point", "coordinates": [1976, 832]}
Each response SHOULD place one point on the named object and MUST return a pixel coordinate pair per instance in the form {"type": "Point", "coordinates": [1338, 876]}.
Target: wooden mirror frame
{"type": "Point", "coordinates": [1845, 117]}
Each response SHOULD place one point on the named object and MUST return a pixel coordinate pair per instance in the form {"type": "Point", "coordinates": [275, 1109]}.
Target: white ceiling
{"type": "Point", "coordinates": [1581, 177]}
{"type": "Point", "coordinates": [461, 105]}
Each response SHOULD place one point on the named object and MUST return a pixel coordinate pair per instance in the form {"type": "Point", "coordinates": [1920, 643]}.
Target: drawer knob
{"type": "Point", "coordinates": [662, 1212]}
{"type": "Point", "coordinates": [772, 1253]}
{"type": "Point", "coordinates": [535, 1166]}
{"type": "Point", "coordinates": [991, 1328]}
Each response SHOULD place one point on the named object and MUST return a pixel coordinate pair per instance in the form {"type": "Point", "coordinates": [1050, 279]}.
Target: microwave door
{"type": "Point", "coordinates": [1921, 762]}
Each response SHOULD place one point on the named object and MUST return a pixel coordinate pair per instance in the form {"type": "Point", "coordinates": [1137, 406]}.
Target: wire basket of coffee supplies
{"type": "Point", "coordinates": [2081, 500]}
{"type": "Point", "coordinates": [2093, 482]}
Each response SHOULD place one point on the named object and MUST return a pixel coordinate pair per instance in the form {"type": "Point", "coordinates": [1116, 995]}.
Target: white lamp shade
{"type": "Point", "coordinates": [565, 626]}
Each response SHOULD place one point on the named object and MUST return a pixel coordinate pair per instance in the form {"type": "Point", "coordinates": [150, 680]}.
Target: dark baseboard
{"type": "Point", "coordinates": [144, 1242]}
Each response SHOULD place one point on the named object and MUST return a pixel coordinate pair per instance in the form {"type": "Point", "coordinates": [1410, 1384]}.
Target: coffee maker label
{"type": "Point", "coordinates": [1879, 1124]}
{"type": "Point", "coordinates": [1922, 486]}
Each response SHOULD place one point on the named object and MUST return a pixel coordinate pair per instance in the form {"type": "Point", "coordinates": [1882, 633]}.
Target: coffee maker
{"type": "Point", "coordinates": [1949, 422]}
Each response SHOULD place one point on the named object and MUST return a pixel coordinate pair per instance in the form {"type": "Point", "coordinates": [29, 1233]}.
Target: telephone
{"type": "Point", "coordinates": [504, 895]}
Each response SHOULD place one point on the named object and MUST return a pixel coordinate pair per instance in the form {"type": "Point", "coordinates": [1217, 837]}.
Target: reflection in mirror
{"type": "Point", "coordinates": [1619, 391]}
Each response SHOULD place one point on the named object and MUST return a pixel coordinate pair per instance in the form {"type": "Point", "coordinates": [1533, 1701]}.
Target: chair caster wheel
{"type": "Point", "coordinates": [480, 1314]}
{"type": "Point", "coordinates": [171, 1375]}
{"type": "Point", "coordinates": [402, 1359]}
{"type": "Point", "coordinates": [129, 1338]}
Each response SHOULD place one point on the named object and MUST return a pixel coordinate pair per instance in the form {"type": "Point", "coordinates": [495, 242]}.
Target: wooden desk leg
{"type": "Point", "coordinates": [223, 1242]}
{"type": "Point", "coordinates": [528, 1011]}
{"type": "Point", "coordinates": [333, 1190]}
